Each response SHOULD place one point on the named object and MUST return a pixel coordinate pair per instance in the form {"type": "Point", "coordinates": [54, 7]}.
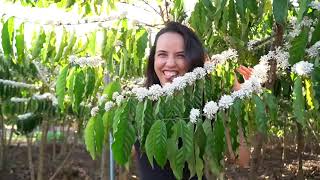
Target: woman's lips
{"type": "Point", "coordinates": [169, 75]}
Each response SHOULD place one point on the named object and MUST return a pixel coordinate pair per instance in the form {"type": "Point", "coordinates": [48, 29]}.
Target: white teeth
{"type": "Point", "coordinates": [170, 74]}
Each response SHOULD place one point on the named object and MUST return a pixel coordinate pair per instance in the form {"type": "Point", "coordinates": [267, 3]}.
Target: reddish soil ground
{"type": "Point", "coordinates": [80, 166]}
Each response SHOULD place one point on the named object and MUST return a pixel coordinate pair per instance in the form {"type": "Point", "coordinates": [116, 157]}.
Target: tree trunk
{"type": "Point", "coordinates": [54, 142]}
{"type": "Point", "coordinates": [255, 156]}
{"type": "Point", "coordinates": [42, 148]}
{"type": "Point", "coordinates": [31, 166]}
{"type": "Point", "coordinates": [104, 160]}
{"type": "Point", "coordinates": [65, 140]}
{"type": "Point", "coordinates": [228, 138]}
{"type": "Point", "coordinates": [300, 142]}
{"type": "Point", "coordinates": [2, 145]}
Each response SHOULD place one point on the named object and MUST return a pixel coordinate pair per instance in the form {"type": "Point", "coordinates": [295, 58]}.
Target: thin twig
{"type": "Point", "coordinates": [62, 164]}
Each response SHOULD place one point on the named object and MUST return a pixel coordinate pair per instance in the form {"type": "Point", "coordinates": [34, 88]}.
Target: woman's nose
{"type": "Point", "coordinates": [171, 62]}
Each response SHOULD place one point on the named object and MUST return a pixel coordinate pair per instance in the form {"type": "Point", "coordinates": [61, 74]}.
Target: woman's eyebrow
{"type": "Point", "coordinates": [161, 51]}
{"type": "Point", "coordinates": [180, 52]}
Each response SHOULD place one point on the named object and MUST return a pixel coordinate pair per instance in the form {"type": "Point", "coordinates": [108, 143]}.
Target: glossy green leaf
{"type": "Point", "coordinates": [156, 143]}
{"type": "Point", "coordinates": [90, 81]}
{"type": "Point", "coordinates": [89, 137]}
{"type": "Point", "coordinates": [99, 133]}
{"type": "Point", "coordinates": [124, 138]}
{"type": "Point", "coordinates": [260, 114]}
{"type": "Point", "coordinates": [298, 102]}
{"type": "Point", "coordinates": [61, 86]}
{"type": "Point", "coordinates": [37, 43]}
{"type": "Point", "coordinates": [303, 6]}
{"type": "Point", "coordinates": [20, 45]}
{"type": "Point", "coordinates": [78, 89]}
{"type": "Point", "coordinates": [112, 87]}
{"type": "Point", "coordinates": [298, 46]}
{"type": "Point", "coordinates": [280, 11]}
{"type": "Point", "coordinates": [7, 37]}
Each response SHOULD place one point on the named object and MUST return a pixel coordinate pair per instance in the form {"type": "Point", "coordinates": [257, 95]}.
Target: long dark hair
{"type": "Point", "coordinates": [194, 51]}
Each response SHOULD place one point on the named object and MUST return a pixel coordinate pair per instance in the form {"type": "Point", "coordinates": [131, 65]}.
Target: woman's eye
{"type": "Point", "coordinates": [181, 56]}
{"type": "Point", "coordinates": [162, 55]}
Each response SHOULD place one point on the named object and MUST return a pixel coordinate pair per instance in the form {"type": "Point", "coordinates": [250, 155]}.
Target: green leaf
{"type": "Point", "coordinates": [37, 43]}
{"type": "Point", "coordinates": [199, 163]}
{"type": "Point", "coordinates": [315, 77]}
{"type": "Point", "coordinates": [198, 94]}
{"type": "Point", "coordinates": [69, 46]}
{"type": "Point", "coordinates": [241, 8]}
{"type": "Point", "coordinates": [62, 45]}
{"type": "Point", "coordinates": [61, 86]}
{"type": "Point", "coordinates": [303, 6]}
{"type": "Point", "coordinates": [92, 43]}
{"type": "Point", "coordinates": [271, 102]}
{"type": "Point", "coordinates": [280, 11]}
{"type": "Point", "coordinates": [298, 46]}
{"type": "Point", "coordinates": [78, 89]}
{"type": "Point", "coordinates": [89, 137]}
{"type": "Point", "coordinates": [90, 81]}
{"type": "Point", "coordinates": [124, 137]}
{"type": "Point", "coordinates": [156, 143]}
{"type": "Point", "coordinates": [112, 87]}
{"type": "Point", "coordinates": [298, 101]}
{"type": "Point", "coordinates": [108, 120]}
{"type": "Point", "coordinates": [139, 118]}
{"type": "Point", "coordinates": [148, 120]}
{"type": "Point", "coordinates": [316, 34]}
{"type": "Point", "coordinates": [260, 114]}
{"type": "Point", "coordinates": [20, 43]}
{"type": "Point", "coordinates": [310, 99]}
{"type": "Point", "coordinates": [7, 37]}
{"type": "Point", "coordinates": [99, 133]}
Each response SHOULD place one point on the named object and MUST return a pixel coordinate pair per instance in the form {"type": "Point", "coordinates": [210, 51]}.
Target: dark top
{"type": "Point", "coordinates": [146, 172]}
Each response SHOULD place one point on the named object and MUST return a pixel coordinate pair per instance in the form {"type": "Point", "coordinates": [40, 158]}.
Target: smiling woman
{"type": "Point", "coordinates": [176, 50]}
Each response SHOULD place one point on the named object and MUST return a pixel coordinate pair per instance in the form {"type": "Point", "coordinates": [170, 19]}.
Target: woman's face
{"type": "Point", "coordinates": [170, 60]}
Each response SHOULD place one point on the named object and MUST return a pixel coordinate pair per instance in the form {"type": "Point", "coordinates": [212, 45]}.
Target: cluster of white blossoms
{"type": "Point", "coordinates": [302, 68]}
{"type": "Point", "coordinates": [251, 44]}
{"type": "Point", "coordinates": [86, 61]}
{"type": "Point", "coordinates": [313, 51]}
{"type": "Point", "coordinates": [296, 27]}
{"type": "Point", "coordinates": [48, 96]}
{"type": "Point", "coordinates": [94, 111]}
{"type": "Point", "coordinates": [108, 106]}
{"type": "Point", "coordinates": [19, 100]}
{"type": "Point", "coordinates": [24, 116]}
{"type": "Point", "coordinates": [210, 109]}
{"type": "Point", "coordinates": [315, 5]}
{"type": "Point", "coordinates": [194, 115]}
{"type": "Point", "coordinates": [18, 84]}
{"type": "Point", "coordinates": [225, 55]}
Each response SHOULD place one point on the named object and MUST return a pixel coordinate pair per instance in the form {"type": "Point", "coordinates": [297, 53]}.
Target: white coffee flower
{"type": "Point", "coordinates": [119, 99]}
{"type": "Point", "coordinates": [115, 95]}
{"type": "Point", "coordinates": [209, 67]}
{"type": "Point", "coordinates": [140, 93]}
{"type": "Point", "coordinates": [302, 68]}
{"type": "Point", "coordinates": [190, 77]}
{"type": "Point", "coordinates": [18, 84]}
{"type": "Point", "coordinates": [199, 72]}
{"type": "Point", "coordinates": [108, 106]}
{"type": "Point", "coordinates": [251, 44]}
{"type": "Point", "coordinates": [282, 58]}
{"type": "Point", "coordinates": [194, 115]}
{"type": "Point", "coordinates": [179, 83]}
{"type": "Point", "coordinates": [210, 109]}
{"type": "Point", "coordinates": [313, 51]}
{"type": "Point", "coordinates": [168, 89]}
{"type": "Point", "coordinates": [94, 111]}
{"type": "Point", "coordinates": [24, 116]}
{"type": "Point", "coordinates": [155, 91]}
{"type": "Point", "coordinates": [315, 5]}
{"type": "Point", "coordinates": [225, 102]}
{"type": "Point", "coordinates": [102, 98]}
{"type": "Point", "coordinates": [19, 100]}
